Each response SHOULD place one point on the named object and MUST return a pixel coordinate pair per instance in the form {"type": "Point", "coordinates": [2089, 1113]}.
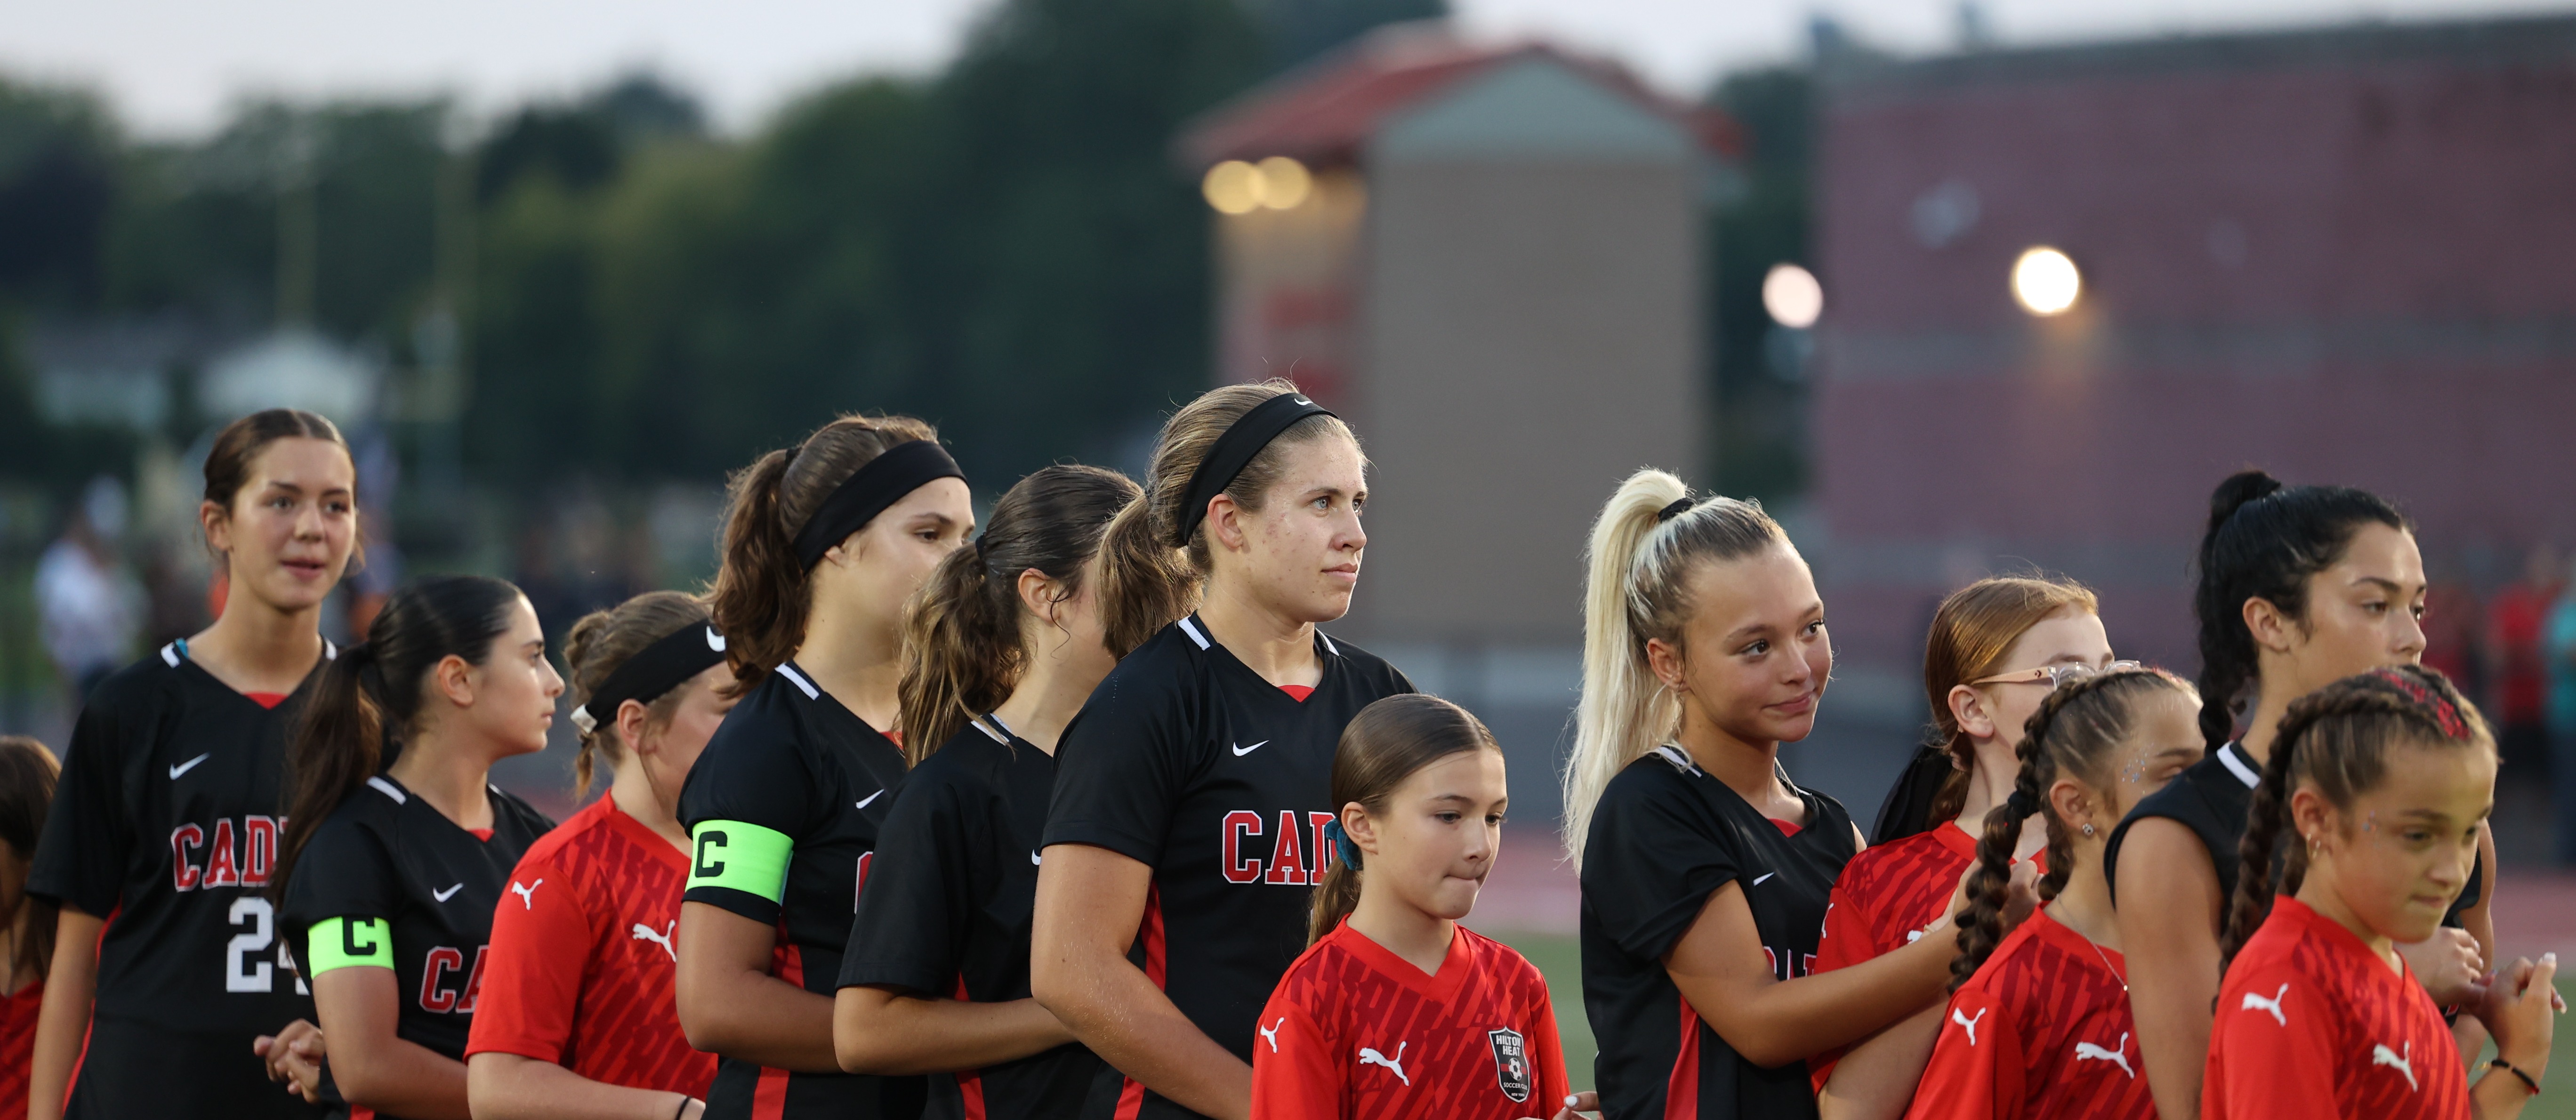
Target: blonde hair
{"type": "Point", "coordinates": [604, 640]}
{"type": "Point", "coordinates": [1636, 573]}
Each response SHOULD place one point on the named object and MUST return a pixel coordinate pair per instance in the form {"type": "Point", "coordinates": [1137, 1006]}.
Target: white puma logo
{"type": "Point", "coordinates": [1271, 1032]}
{"type": "Point", "coordinates": [2118, 1056]}
{"type": "Point", "coordinates": [645, 933]}
{"type": "Point", "coordinates": [527, 894]}
{"type": "Point", "coordinates": [2257, 1003]}
{"type": "Point", "coordinates": [1969, 1023]}
{"type": "Point", "coordinates": [2383, 1056]}
{"type": "Point", "coordinates": [1395, 1065]}
{"type": "Point", "coordinates": [191, 764]}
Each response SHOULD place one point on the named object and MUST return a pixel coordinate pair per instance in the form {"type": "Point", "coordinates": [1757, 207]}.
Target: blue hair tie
{"type": "Point", "coordinates": [1343, 849]}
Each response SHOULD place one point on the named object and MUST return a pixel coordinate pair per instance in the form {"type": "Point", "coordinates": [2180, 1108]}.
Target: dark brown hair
{"type": "Point", "coordinates": [762, 593]}
{"type": "Point", "coordinates": [2263, 542]}
{"type": "Point", "coordinates": [237, 448]}
{"type": "Point", "coordinates": [1971, 632]}
{"type": "Point", "coordinates": [369, 696]}
{"type": "Point", "coordinates": [2071, 735]}
{"type": "Point", "coordinates": [2336, 740]}
{"type": "Point", "coordinates": [963, 653]}
{"type": "Point", "coordinates": [27, 775]}
{"type": "Point", "coordinates": [1386, 743]}
{"type": "Point", "coordinates": [601, 642]}
{"type": "Point", "coordinates": [1146, 582]}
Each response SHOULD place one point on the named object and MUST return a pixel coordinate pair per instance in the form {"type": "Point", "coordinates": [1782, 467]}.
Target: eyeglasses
{"type": "Point", "coordinates": [2055, 676]}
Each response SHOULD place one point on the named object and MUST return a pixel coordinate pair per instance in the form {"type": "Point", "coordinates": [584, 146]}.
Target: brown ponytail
{"type": "Point", "coordinates": [1147, 580]}
{"type": "Point", "coordinates": [28, 773]}
{"type": "Point", "coordinates": [1971, 632]}
{"type": "Point", "coordinates": [601, 642]}
{"type": "Point", "coordinates": [2072, 734]}
{"type": "Point", "coordinates": [2336, 739]}
{"type": "Point", "coordinates": [762, 593]}
{"type": "Point", "coordinates": [963, 649]}
{"type": "Point", "coordinates": [1384, 744]}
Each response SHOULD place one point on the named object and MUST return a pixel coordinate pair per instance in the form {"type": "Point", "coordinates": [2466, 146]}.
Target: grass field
{"type": "Point", "coordinates": [1561, 961]}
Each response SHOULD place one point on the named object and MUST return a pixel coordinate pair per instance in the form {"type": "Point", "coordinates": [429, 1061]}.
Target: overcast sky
{"type": "Point", "coordinates": [172, 67]}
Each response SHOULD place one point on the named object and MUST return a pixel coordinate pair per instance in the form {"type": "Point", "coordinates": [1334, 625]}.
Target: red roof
{"type": "Point", "coordinates": [1325, 112]}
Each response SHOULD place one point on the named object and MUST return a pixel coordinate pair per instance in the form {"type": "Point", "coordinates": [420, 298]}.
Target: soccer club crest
{"type": "Point", "coordinates": [1511, 1062]}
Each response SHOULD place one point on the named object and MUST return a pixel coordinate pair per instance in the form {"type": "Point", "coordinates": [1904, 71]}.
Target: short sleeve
{"type": "Point", "coordinates": [1296, 1069]}
{"type": "Point", "coordinates": [1120, 768]}
{"type": "Point", "coordinates": [747, 803]}
{"type": "Point", "coordinates": [2270, 1056]}
{"type": "Point", "coordinates": [530, 988]}
{"type": "Point", "coordinates": [1977, 1065]}
{"type": "Point", "coordinates": [1654, 856]}
{"type": "Point", "coordinates": [918, 902]}
{"type": "Point", "coordinates": [1546, 1054]}
{"type": "Point", "coordinates": [1848, 939]}
{"type": "Point", "coordinates": [343, 871]}
{"type": "Point", "coordinates": [87, 846]}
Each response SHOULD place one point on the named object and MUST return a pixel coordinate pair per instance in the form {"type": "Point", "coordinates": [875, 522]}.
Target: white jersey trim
{"type": "Point", "coordinates": [1194, 634]}
{"type": "Point", "coordinates": [389, 789]}
{"type": "Point", "coordinates": [789, 671]}
{"type": "Point", "coordinates": [170, 655]}
{"type": "Point", "coordinates": [1679, 759]}
{"type": "Point", "coordinates": [1329, 647]}
{"type": "Point", "coordinates": [2237, 766]}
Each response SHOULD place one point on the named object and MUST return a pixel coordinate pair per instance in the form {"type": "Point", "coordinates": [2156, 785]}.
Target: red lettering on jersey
{"type": "Point", "coordinates": [861, 883]}
{"type": "Point", "coordinates": [441, 961]}
{"type": "Point", "coordinates": [474, 981]}
{"type": "Point", "coordinates": [1287, 865]}
{"type": "Point", "coordinates": [221, 869]}
{"type": "Point", "coordinates": [1238, 824]}
{"type": "Point", "coordinates": [259, 850]}
{"type": "Point", "coordinates": [1771, 962]}
{"type": "Point", "coordinates": [184, 875]}
{"type": "Point", "coordinates": [1315, 823]}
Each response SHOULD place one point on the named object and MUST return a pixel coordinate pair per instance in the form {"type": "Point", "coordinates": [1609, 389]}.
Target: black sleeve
{"type": "Point", "coordinates": [1654, 856]}
{"type": "Point", "coordinates": [81, 858]}
{"type": "Point", "coordinates": [344, 871]}
{"type": "Point", "coordinates": [1120, 768]}
{"type": "Point", "coordinates": [760, 779]}
{"type": "Point", "coordinates": [918, 902]}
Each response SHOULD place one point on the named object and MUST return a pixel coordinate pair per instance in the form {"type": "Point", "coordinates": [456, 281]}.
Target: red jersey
{"type": "Point", "coordinates": [1354, 1032]}
{"type": "Point", "coordinates": [2042, 1029]}
{"type": "Point", "coordinates": [581, 964]}
{"type": "Point", "coordinates": [1886, 897]}
{"type": "Point", "coordinates": [18, 1047]}
{"type": "Point", "coordinates": [2311, 1023]}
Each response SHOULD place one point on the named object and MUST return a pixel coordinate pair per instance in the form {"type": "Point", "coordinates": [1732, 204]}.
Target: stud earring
{"type": "Point", "coordinates": [2088, 828]}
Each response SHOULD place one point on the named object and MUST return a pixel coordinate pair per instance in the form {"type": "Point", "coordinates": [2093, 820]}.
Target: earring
{"type": "Point", "coordinates": [2088, 828]}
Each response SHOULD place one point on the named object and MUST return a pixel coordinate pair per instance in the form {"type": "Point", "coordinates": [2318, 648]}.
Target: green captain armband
{"type": "Point", "coordinates": [348, 942]}
{"type": "Point", "coordinates": [743, 857]}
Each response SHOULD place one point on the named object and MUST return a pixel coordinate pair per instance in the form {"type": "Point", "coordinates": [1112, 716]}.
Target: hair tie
{"type": "Point", "coordinates": [2022, 804]}
{"type": "Point", "coordinates": [1678, 507]}
{"type": "Point", "coordinates": [1343, 849]}
{"type": "Point", "coordinates": [877, 484]}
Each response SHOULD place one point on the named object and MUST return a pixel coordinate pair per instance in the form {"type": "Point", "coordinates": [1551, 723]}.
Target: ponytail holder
{"type": "Point", "coordinates": [1678, 507]}
{"type": "Point", "coordinates": [2022, 804]}
{"type": "Point", "coordinates": [1343, 849]}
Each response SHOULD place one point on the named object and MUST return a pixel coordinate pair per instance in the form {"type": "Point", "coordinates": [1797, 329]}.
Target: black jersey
{"type": "Point", "coordinates": [1188, 761]}
{"type": "Point", "coordinates": [1664, 837]}
{"type": "Point", "coordinates": [388, 881]}
{"type": "Point", "coordinates": [166, 823]}
{"type": "Point", "coordinates": [947, 907]}
{"type": "Point", "coordinates": [784, 809]}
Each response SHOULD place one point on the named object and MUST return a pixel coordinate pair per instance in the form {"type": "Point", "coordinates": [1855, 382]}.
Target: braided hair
{"type": "Point", "coordinates": [2336, 740]}
{"type": "Point", "coordinates": [2071, 735]}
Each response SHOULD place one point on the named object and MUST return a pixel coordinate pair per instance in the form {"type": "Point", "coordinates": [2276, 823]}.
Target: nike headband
{"type": "Point", "coordinates": [656, 669]}
{"type": "Point", "coordinates": [899, 470]}
{"type": "Point", "coordinates": [1235, 450]}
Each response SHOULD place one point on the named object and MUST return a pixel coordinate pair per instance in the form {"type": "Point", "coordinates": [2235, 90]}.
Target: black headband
{"type": "Point", "coordinates": [899, 470]}
{"type": "Point", "coordinates": [1235, 450]}
{"type": "Point", "coordinates": [656, 669]}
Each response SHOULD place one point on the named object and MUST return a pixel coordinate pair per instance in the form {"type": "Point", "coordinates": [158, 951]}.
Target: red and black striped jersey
{"type": "Point", "coordinates": [2041, 1030]}
{"type": "Point", "coordinates": [1355, 1032]}
{"type": "Point", "coordinates": [581, 963]}
{"type": "Point", "coordinates": [2311, 1023]}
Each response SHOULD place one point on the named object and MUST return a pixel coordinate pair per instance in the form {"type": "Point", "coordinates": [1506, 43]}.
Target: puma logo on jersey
{"type": "Point", "coordinates": [191, 764]}
{"type": "Point", "coordinates": [2383, 1056]}
{"type": "Point", "coordinates": [863, 802]}
{"type": "Point", "coordinates": [1394, 1065]}
{"type": "Point", "coordinates": [2118, 1056]}
{"type": "Point", "coordinates": [527, 894]}
{"type": "Point", "coordinates": [1271, 1032]}
{"type": "Point", "coordinates": [449, 893]}
{"type": "Point", "coordinates": [645, 933]}
{"type": "Point", "coordinates": [1969, 1023]}
{"type": "Point", "coordinates": [2257, 1003]}
{"type": "Point", "coordinates": [1240, 750]}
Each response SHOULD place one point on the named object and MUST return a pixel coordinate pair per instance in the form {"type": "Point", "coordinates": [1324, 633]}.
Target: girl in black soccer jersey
{"type": "Point", "coordinates": [397, 847]}
{"type": "Point", "coordinates": [2299, 586]}
{"type": "Point", "coordinates": [167, 815]}
{"type": "Point", "coordinates": [1705, 871]}
{"type": "Point", "coordinates": [1193, 789]}
{"type": "Point", "coordinates": [824, 543]}
{"type": "Point", "coordinates": [1004, 645]}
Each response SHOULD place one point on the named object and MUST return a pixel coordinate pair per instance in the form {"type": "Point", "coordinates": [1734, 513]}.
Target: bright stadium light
{"type": "Point", "coordinates": [2045, 281]}
{"type": "Point", "coordinates": [1233, 187]}
{"type": "Point", "coordinates": [1284, 182]}
{"type": "Point", "coordinates": [1792, 296]}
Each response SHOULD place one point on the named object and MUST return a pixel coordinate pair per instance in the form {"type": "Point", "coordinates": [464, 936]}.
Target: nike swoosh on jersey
{"type": "Point", "coordinates": [449, 893]}
{"type": "Point", "coordinates": [1757, 880]}
{"type": "Point", "coordinates": [1034, 861]}
{"type": "Point", "coordinates": [191, 764]}
{"type": "Point", "coordinates": [1241, 751]}
{"type": "Point", "coordinates": [863, 802]}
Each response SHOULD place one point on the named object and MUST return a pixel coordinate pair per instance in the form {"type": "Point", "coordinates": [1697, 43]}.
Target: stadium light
{"type": "Point", "coordinates": [1284, 182]}
{"type": "Point", "coordinates": [2045, 281]}
{"type": "Point", "coordinates": [1232, 187]}
{"type": "Point", "coordinates": [1792, 296]}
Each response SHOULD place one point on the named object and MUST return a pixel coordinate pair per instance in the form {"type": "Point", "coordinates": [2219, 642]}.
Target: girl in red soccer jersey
{"type": "Point", "coordinates": [1996, 648]}
{"type": "Point", "coordinates": [576, 1016]}
{"type": "Point", "coordinates": [2040, 1024]}
{"type": "Point", "coordinates": [1395, 1010]}
{"type": "Point", "coordinates": [2385, 778]}
{"type": "Point", "coordinates": [27, 775]}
